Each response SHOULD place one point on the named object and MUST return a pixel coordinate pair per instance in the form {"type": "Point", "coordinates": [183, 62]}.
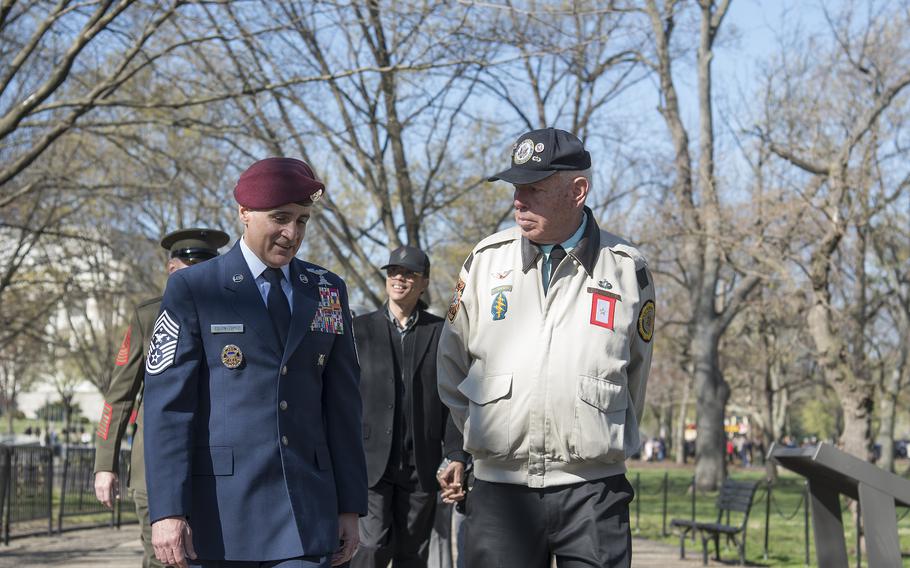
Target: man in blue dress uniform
{"type": "Point", "coordinates": [254, 452]}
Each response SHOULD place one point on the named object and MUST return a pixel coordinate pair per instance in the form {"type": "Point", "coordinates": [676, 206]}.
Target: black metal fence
{"type": "Point", "coordinates": [35, 491]}
{"type": "Point", "coordinates": [779, 503]}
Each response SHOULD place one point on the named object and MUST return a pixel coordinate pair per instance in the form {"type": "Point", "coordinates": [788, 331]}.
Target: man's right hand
{"type": "Point", "coordinates": [107, 488]}
{"type": "Point", "coordinates": [451, 481]}
{"type": "Point", "coordinates": [172, 540]}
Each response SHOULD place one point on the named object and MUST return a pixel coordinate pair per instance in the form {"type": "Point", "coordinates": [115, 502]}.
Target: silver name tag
{"type": "Point", "coordinates": [227, 328]}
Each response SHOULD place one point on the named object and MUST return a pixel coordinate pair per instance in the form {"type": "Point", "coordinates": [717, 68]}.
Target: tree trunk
{"type": "Point", "coordinates": [713, 393]}
{"type": "Point", "coordinates": [891, 390]}
{"type": "Point", "coordinates": [887, 409]}
{"type": "Point", "coordinates": [666, 427]}
{"type": "Point", "coordinates": [10, 408]}
{"type": "Point", "coordinates": [857, 402]}
{"type": "Point", "coordinates": [680, 435]}
{"type": "Point", "coordinates": [67, 417]}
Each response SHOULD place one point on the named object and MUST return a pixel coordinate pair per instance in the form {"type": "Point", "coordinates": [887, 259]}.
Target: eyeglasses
{"type": "Point", "coordinates": [394, 271]}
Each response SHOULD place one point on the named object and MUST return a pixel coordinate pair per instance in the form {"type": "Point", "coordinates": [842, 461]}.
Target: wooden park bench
{"type": "Point", "coordinates": [734, 497]}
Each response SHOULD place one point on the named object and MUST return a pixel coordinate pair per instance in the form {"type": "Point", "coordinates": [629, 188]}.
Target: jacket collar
{"type": "Point", "coordinates": [585, 252]}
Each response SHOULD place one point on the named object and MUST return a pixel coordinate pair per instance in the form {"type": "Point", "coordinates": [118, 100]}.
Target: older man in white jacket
{"type": "Point", "coordinates": [543, 363]}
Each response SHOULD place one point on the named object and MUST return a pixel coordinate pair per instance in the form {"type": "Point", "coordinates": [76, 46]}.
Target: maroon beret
{"type": "Point", "coordinates": [273, 182]}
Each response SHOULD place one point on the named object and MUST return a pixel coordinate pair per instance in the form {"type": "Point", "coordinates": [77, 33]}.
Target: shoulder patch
{"type": "Point", "coordinates": [163, 345]}
{"type": "Point", "coordinates": [456, 300]}
{"type": "Point", "coordinates": [646, 321]}
{"type": "Point", "coordinates": [642, 276]}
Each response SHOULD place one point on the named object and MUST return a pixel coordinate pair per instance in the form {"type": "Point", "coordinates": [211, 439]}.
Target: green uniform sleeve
{"type": "Point", "coordinates": [121, 395]}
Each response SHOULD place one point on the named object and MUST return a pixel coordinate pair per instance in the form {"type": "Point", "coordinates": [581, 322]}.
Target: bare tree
{"type": "Point", "coordinates": [837, 140]}
{"type": "Point", "coordinates": [697, 197]}
{"type": "Point", "coordinates": [20, 366]}
{"type": "Point", "coordinates": [51, 81]}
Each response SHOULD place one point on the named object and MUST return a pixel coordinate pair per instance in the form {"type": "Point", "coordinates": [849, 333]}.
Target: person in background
{"type": "Point", "coordinates": [185, 247]}
{"type": "Point", "coordinates": [406, 428]}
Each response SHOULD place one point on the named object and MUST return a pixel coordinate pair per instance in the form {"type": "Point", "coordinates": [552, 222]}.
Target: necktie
{"type": "Point", "coordinates": [556, 255]}
{"type": "Point", "coordinates": [277, 303]}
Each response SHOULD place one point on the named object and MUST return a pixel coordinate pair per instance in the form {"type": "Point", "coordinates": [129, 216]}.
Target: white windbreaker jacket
{"type": "Point", "coordinates": [549, 389]}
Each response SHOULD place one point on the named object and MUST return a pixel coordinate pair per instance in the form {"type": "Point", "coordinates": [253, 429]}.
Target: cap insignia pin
{"type": "Point", "coordinates": [317, 196]}
{"type": "Point", "coordinates": [524, 151]}
{"type": "Point", "coordinates": [237, 278]}
{"type": "Point", "coordinates": [231, 356]}
{"type": "Point", "coordinates": [539, 147]}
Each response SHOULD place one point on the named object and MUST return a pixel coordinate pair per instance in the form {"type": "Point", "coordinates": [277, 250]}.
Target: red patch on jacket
{"type": "Point", "coordinates": [124, 354]}
{"type": "Point", "coordinates": [104, 426]}
{"type": "Point", "coordinates": [603, 308]}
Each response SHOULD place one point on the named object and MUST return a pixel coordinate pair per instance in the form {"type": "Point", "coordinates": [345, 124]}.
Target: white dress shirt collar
{"type": "Point", "coordinates": [257, 267]}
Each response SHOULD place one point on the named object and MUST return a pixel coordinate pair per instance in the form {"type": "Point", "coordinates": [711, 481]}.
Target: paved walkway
{"type": "Point", "coordinates": [121, 549]}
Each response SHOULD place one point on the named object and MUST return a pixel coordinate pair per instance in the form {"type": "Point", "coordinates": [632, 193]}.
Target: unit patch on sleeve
{"type": "Point", "coordinates": [646, 321]}
{"type": "Point", "coordinates": [603, 307]}
{"type": "Point", "coordinates": [104, 426]}
{"type": "Point", "coordinates": [163, 345]}
{"type": "Point", "coordinates": [329, 316]}
{"type": "Point", "coordinates": [456, 300]}
{"type": "Point", "coordinates": [123, 354]}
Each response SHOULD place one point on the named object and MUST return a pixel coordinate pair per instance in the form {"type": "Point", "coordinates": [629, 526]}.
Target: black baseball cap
{"type": "Point", "coordinates": [411, 258]}
{"type": "Point", "coordinates": [194, 244]}
{"type": "Point", "coordinates": [541, 153]}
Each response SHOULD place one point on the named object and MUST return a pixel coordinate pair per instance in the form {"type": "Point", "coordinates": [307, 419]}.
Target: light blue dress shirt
{"type": "Point", "coordinates": [567, 244]}
{"type": "Point", "coordinates": [257, 267]}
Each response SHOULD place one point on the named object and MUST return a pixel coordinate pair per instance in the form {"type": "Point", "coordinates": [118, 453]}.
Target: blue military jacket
{"type": "Point", "coordinates": [260, 449]}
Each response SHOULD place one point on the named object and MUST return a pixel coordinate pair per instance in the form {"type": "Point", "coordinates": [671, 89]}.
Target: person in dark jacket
{"type": "Point", "coordinates": [406, 428]}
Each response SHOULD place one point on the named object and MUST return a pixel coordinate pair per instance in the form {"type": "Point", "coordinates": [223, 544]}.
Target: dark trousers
{"type": "Point", "coordinates": [398, 523]}
{"type": "Point", "coordinates": [585, 525]}
{"type": "Point", "coordinates": [301, 562]}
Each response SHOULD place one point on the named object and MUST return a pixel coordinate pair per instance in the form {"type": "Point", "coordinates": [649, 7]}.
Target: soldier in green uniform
{"type": "Point", "coordinates": [186, 247]}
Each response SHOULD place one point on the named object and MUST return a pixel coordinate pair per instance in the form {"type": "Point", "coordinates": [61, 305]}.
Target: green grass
{"type": "Point", "coordinates": [786, 537]}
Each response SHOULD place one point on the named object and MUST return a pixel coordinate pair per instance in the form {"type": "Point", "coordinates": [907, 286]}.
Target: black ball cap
{"type": "Point", "coordinates": [541, 153]}
{"type": "Point", "coordinates": [194, 243]}
{"type": "Point", "coordinates": [411, 258]}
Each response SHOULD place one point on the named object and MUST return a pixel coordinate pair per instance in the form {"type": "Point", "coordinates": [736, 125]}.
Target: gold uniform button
{"type": "Point", "coordinates": [284, 440]}
{"type": "Point", "coordinates": [283, 405]}
{"type": "Point", "coordinates": [284, 370]}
